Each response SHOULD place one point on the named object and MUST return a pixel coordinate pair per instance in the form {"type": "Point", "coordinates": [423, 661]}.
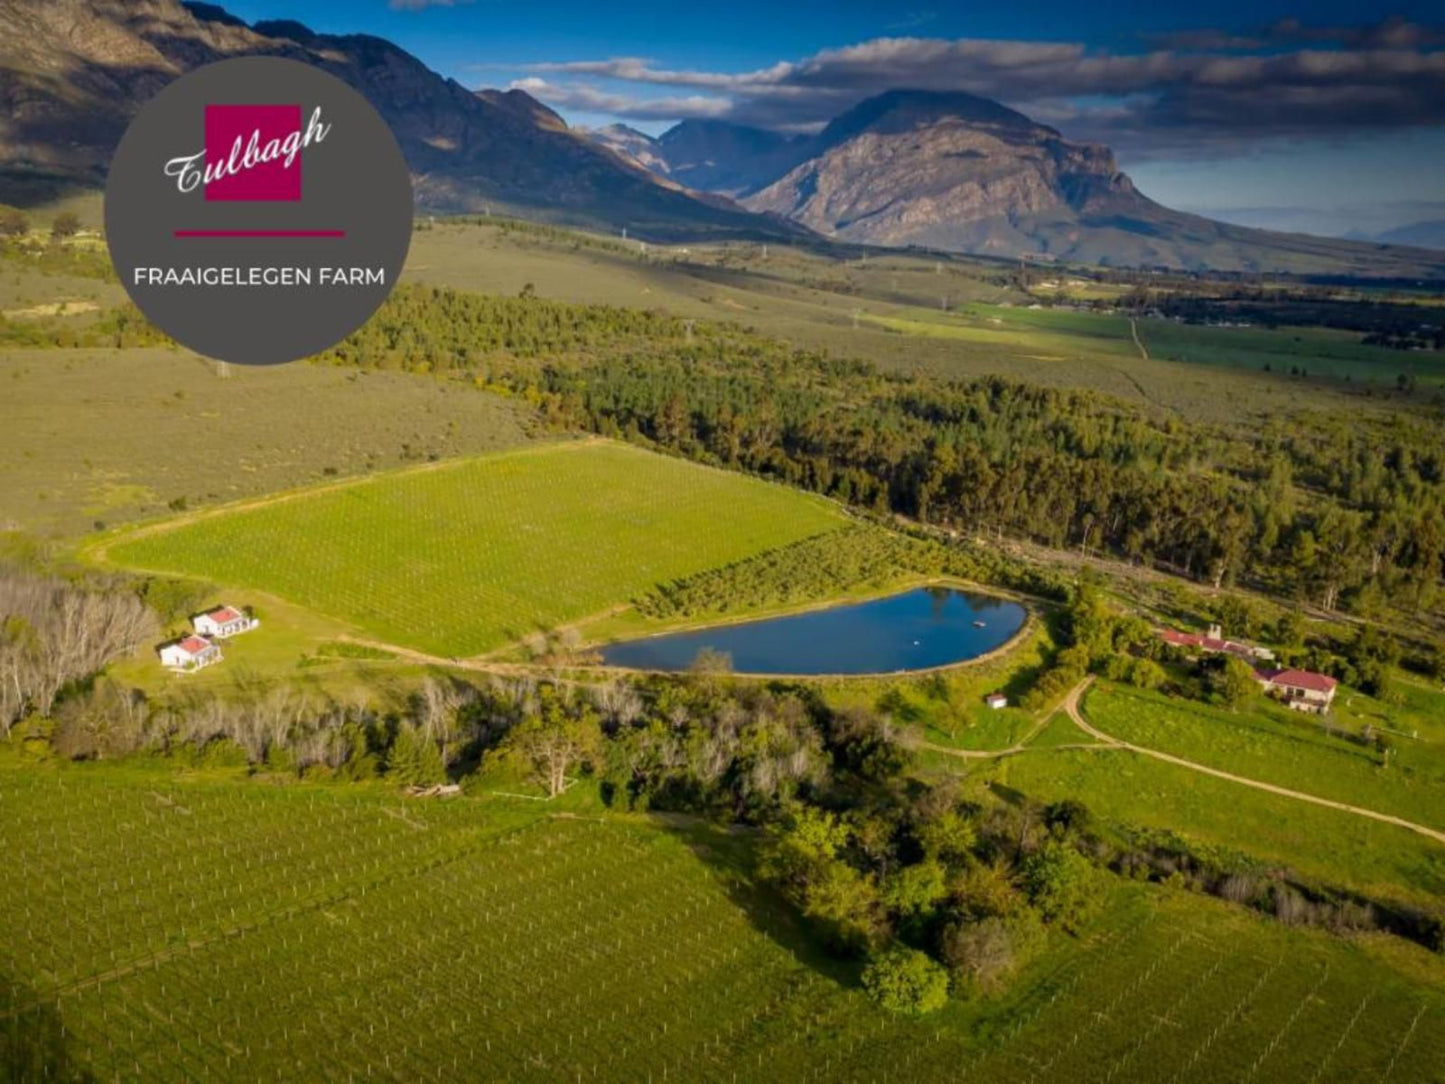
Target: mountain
{"type": "Point", "coordinates": [708, 155]}
{"type": "Point", "coordinates": [522, 105]}
{"type": "Point", "coordinates": [715, 156]}
{"type": "Point", "coordinates": [958, 172]}
{"type": "Point", "coordinates": [73, 73]}
{"type": "Point", "coordinates": [636, 147]}
{"type": "Point", "coordinates": [1421, 234]}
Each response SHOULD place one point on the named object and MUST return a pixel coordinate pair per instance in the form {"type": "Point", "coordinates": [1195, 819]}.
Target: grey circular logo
{"type": "Point", "coordinates": [258, 210]}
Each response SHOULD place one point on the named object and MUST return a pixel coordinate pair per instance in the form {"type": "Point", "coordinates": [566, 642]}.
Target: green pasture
{"type": "Point", "coordinates": [1320, 755]}
{"type": "Point", "coordinates": [1316, 351]}
{"type": "Point", "coordinates": [1126, 789]}
{"type": "Point", "coordinates": [469, 555]}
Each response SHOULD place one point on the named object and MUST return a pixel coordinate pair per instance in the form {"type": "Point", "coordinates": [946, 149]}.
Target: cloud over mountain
{"type": "Point", "coordinates": [1199, 91]}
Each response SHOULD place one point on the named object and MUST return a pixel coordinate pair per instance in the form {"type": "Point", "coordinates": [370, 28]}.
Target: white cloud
{"type": "Point", "coordinates": [1199, 89]}
{"type": "Point", "coordinates": [421, 5]}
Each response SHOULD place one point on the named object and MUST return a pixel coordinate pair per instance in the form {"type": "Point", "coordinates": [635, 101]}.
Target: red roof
{"type": "Point", "coordinates": [1205, 643]}
{"type": "Point", "coordinates": [1181, 639]}
{"type": "Point", "coordinates": [194, 645]}
{"type": "Point", "coordinates": [1301, 679]}
{"type": "Point", "coordinates": [223, 615]}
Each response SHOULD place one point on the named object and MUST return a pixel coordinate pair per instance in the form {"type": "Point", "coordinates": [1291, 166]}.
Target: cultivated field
{"type": "Point", "coordinates": [173, 928]}
{"type": "Point", "coordinates": [469, 555]}
{"type": "Point", "coordinates": [111, 435]}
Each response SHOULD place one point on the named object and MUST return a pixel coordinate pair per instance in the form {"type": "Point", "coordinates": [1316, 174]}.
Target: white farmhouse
{"type": "Point", "coordinates": [189, 653]}
{"type": "Point", "coordinates": [1302, 690]}
{"type": "Point", "coordinates": [223, 621]}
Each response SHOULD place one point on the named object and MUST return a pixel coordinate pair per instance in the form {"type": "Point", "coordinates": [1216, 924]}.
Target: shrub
{"type": "Point", "coordinates": [982, 956]}
{"type": "Point", "coordinates": [66, 224]}
{"type": "Point", "coordinates": [904, 980]}
{"type": "Point", "coordinates": [12, 222]}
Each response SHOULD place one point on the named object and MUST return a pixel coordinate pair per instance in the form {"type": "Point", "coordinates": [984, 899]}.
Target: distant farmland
{"type": "Point", "coordinates": [467, 556]}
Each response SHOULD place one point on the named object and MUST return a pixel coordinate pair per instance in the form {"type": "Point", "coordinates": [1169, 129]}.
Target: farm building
{"type": "Point", "coordinates": [996, 700]}
{"type": "Point", "coordinates": [223, 621]}
{"type": "Point", "coordinates": [189, 653]}
{"type": "Point", "coordinates": [1213, 643]}
{"type": "Point", "coordinates": [1302, 690]}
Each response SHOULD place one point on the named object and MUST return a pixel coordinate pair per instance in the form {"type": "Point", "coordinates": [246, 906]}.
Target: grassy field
{"type": "Point", "coordinates": [1338, 355]}
{"type": "Point", "coordinates": [1128, 790]}
{"type": "Point", "coordinates": [1272, 744]}
{"type": "Point", "coordinates": [181, 927]}
{"type": "Point", "coordinates": [466, 556]}
{"type": "Point", "coordinates": [113, 435]}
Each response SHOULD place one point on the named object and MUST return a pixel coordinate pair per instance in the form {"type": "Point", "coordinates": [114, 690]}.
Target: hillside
{"type": "Point", "coordinates": [73, 73]}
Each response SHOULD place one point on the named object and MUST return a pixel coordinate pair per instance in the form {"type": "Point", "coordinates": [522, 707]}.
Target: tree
{"type": "Point", "coordinates": [913, 891]}
{"type": "Point", "coordinates": [1146, 674]}
{"type": "Point", "coordinates": [1067, 816]}
{"type": "Point", "coordinates": [555, 739]}
{"type": "Point", "coordinates": [1234, 682]}
{"type": "Point", "coordinates": [66, 224]}
{"type": "Point", "coordinates": [904, 980]}
{"type": "Point", "coordinates": [1062, 884]}
{"type": "Point", "coordinates": [709, 661]}
{"type": "Point", "coordinates": [803, 860]}
{"type": "Point", "coordinates": [413, 760]}
{"type": "Point", "coordinates": [55, 632]}
{"type": "Point", "coordinates": [946, 835]}
{"type": "Point", "coordinates": [1289, 630]}
{"type": "Point", "coordinates": [982, 891]}
{"type": "Point", "coordinates": [13, 223]}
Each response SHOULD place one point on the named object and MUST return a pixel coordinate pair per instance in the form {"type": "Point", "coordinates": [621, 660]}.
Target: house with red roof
{"type": "Point", "coordinates": [1302, 690]}
{"type": "Point", "coordinates": [223, 621]}
{"type": "Point", "coordinates": [189, 653]}
{"type": "Point", "coordinates": [1214, 643]}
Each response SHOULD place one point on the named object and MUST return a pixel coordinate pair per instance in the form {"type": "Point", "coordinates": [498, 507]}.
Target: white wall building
{"type": "Point", "coordinates": [223, 621]}
{"type": "Point", "coordinates": [189, 653]}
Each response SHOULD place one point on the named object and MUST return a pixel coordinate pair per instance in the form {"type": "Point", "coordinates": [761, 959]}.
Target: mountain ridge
{"type": "Point", "coordinates": [73, 72]}
{"type": "Point", "coordinates": [952, 171]}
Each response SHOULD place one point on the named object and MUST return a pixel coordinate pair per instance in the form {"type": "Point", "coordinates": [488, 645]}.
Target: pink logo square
{"type": "Point", "coordinates": [238, 137]}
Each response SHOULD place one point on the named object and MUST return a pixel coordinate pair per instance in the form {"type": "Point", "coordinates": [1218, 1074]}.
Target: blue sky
{"type": "Point", "coordinates": [1327, 117]}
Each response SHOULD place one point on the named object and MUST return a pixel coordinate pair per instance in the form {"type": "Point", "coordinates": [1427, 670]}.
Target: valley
{"type": "Point", "coordinates": [877, 598]}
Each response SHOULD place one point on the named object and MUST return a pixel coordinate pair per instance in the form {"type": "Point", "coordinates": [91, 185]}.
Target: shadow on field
{"type": "Point", "coordinates": [33, 1043]}
{"type": "Point", "coordinates": [731, 852]}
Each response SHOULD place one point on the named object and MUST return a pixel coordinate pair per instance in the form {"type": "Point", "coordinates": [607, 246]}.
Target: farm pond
{"type": "Point", "coordinates": [913, 630]}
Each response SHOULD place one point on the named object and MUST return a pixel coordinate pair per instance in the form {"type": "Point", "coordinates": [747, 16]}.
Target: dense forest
{"type": "Point", "coordinates": [1341, 512]}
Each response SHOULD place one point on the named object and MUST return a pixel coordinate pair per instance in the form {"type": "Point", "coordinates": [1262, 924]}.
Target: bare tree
{"type": "Point", "coordinates": [53, 633]}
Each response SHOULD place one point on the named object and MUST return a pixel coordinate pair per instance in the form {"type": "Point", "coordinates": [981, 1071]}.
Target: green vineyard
{"type": "Point", "coordinates": [208, 929]}
{"type": "Point", "coordinates": [472, 554]}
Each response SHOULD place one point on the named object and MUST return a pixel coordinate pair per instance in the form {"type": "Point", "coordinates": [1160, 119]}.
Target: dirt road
{"type": "Point", "coordinates": [1071, 705]}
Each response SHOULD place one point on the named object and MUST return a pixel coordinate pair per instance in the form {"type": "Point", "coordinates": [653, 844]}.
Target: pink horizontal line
{"type": "Point", "coordinates": [260, 233]}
